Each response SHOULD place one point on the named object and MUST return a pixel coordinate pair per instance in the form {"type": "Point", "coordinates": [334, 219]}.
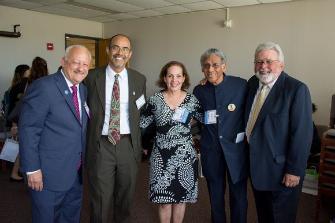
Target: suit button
{"type": "Point", "coordinates": [220, 137]}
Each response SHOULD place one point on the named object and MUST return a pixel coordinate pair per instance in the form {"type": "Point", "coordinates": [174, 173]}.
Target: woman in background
{"type": "Point", "coordinates": [39, 68]}
{"type": "Point", "coordinates": [173, 162]}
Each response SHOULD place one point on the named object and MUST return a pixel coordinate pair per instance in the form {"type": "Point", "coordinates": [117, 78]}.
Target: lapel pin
{"type": "Point", "coordinates": [231, 107]}
{"type": "Point", "coordinates": [66, 92]}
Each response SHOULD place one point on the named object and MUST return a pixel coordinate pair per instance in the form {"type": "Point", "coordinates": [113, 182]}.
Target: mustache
{"type": "Point", "coordinates": [118, 56]}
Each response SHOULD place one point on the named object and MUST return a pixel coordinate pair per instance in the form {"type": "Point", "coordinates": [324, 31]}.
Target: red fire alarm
{"type": "Point", "coordinates": [50, 46]}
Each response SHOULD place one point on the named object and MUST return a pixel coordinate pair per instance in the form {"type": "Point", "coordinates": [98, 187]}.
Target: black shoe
{"type": "Point", "coordinates": [11, 179]}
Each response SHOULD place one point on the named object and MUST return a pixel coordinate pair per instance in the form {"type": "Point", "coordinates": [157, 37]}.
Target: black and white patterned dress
{"type": "Point", "coordinates": [173, 161]}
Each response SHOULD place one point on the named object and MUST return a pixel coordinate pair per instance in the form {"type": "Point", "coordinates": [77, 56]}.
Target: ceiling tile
{"type": "Point", "coordinates": [205, 5]}
{"type": "Point", "coordinates": [46, 2]}
{"type": "Point", "coordinates": [272, 1]}
{"type": "Point", "coordinates": [103, 18]}
{"type": "Point", "coordinates": [184, 1]}
{"type": "Point", "coordinates": [173, 9]}
{"type": "Point", "coordinates": [148, 4]}
{"type": "Point", "coordinates": [122, 16]}
{"type": "Point", "coordinates": [146, 13]}
{"type": "Point", "coordinates": [20, 4]}
{"type": "Point", "coordinates": [232, 3]}
{"type": "Point", "coordinates": [66, 10]}
{"type": "Point", "coordinates": [112, 5]}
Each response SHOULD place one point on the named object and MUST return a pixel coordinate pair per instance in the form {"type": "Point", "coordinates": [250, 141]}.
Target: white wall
{"type": "Point", "coordinates": [37, 30]}
{"type": "Point", "coordinates": [304, 29]}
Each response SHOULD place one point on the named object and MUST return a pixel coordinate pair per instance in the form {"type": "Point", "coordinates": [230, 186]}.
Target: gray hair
{"type": "Point", "coordinates": [270, 46]}
{"type": "Point", "coordinates": [69, 48]}
{"type": "Point", "coordinates": [211, 51]}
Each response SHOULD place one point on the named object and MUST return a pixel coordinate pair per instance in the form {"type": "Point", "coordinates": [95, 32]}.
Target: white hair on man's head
{"type": "Point", "coordinates": [270, 46]}
{"type": "Point", "coordinates": [69, 48]}
{"type": "Point", "coordinates": [212, 51]}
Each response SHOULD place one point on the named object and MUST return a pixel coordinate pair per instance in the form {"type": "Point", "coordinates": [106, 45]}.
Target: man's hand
{"type": "Point", "coordinates": [290, 180]}
{"type": "Point", "coordinates": [35, 180]}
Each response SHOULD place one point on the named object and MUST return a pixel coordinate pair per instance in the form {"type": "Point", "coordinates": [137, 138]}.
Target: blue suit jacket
{"type": "Point", "coordinates": [221, 136]}
{"type": "Point", "coordinates": [50, 135]}
{"type": "Point", "coordinates": [281, 138]}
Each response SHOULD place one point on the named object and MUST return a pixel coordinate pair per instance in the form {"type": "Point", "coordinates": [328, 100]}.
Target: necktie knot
{"type": "Point", "coordinates": [74, 89]}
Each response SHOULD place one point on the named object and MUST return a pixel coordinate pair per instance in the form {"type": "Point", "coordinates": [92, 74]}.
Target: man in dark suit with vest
{"type": "Point", "coordinates": [223, 152]}
{"type": "Point", "coordinates": [279, 133]}
{"type": "Point", "coordinates": [52, 135]}
{"type": "Point", "coordinates": [115, 96]}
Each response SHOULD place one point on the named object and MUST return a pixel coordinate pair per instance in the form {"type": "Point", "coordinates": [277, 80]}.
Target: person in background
{"type": "Point", "coordinates": [15, 91]}
{"type": "Point", "coordinates": [173, 161]}
{"type": "Point", "coordinates": [39, 68]}
{"type": "Point", "coordinates": [52, 137]}
{"type": "Point", "coordinates": [115, 96]}
{"type": "Point", "coordinates": [279, 132]}
{"type": "Point", "coordinates": [11, 97]}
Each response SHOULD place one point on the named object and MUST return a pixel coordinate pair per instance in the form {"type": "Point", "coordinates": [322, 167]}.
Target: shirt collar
{"type": "Point", "coordinates": [111, 73]}
{"type": "Point", "coordinates": [68, 82]}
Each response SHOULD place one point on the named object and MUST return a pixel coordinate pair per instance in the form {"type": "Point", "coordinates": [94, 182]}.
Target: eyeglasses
{"type": "Point", "coordinates": [116, 48]}
{"type": "Point", "coordinates": [214, 65]}
{"type": "Point", "coordinates": [266, 62]}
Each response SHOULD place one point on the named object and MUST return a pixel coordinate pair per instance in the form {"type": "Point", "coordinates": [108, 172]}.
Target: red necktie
{"type": "Point", "coordinates": [75, 100]}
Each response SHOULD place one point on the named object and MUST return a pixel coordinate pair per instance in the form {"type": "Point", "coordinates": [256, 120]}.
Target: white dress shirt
{"type": "Point", "coordinates": [124, 100]}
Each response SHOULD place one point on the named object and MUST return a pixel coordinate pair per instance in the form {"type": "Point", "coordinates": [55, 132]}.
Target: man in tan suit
{"type": "Point", "coordinates": [112, 164]}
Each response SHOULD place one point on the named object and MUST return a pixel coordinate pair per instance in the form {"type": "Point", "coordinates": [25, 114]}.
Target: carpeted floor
{"type": "Point", "coordinates": [15, 205]}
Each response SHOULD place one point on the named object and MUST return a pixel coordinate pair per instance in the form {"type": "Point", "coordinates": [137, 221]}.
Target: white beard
{"type": "Point", "coordinates": [266, 78]}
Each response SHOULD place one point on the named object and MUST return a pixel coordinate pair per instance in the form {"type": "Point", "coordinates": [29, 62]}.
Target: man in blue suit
{"type": "Point", "coordinates": [52, 132]}
{"type": "Point", "coordinates": [223, 151]}
{"type": "Point", "coordinates": [279, 133]}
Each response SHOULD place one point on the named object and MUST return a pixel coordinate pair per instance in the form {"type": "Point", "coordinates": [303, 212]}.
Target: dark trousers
{"type": "Point", "coordinates": [215, 170]}
{"type": "Point", "coordinates": [112, 181]}
{"type": "Point", "coordinates": [57, 206]}
{"type": "Point", "coordinates": [277, 206]}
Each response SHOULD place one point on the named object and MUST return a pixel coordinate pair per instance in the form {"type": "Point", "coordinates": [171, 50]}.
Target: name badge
{"type": "Point", "coordinates": [210, 117]}
{"type": "Point", "coordinates": [140, 102]}
{"type": "Point", "coordinates": [87, 110]}
{"type": "Point", "coordinates": [180, 115]}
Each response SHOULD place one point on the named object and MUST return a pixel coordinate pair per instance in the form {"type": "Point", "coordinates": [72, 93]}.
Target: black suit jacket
{"type": "Point", "coordinates": [282, 135]}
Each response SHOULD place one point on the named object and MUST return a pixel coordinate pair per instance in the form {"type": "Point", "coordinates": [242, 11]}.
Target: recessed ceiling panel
{"type": "Point", "coordinates": [20, 4]}
{"type": "Point", "coordinates": [273, 1]}
{"type": "Point", "coordinates": [148, 4]}
{"type": "Point", "coordinates": [205, 5]}
{"type": "Point", "coordinates": [64, 9]}
{"type": "Point", "coordinates": [146, 13]}
{"type": "Point", "coordinates": [231, 3]}
{"type": "Point", "coordinates": [112, 5]}
{"type": "Point", "coordinates": [184, 1]}
{"type": "Point", "coordinates": [173, 9]}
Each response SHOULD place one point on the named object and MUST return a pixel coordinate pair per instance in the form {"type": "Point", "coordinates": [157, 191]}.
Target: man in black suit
{"type": "Point", "coordinates": [279, 133]}
{"type": "Point", "coordinates": [112, 162]}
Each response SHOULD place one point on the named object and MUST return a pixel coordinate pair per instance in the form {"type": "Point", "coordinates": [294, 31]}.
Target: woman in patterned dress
{"type": "Point", "coordinates": [173, 162]}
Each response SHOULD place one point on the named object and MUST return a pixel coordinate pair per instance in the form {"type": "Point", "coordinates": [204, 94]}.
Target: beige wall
{"type": "Point", "coordinates": [37, 29]}
{"type": "Point", "coordinates": [304, 29]}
